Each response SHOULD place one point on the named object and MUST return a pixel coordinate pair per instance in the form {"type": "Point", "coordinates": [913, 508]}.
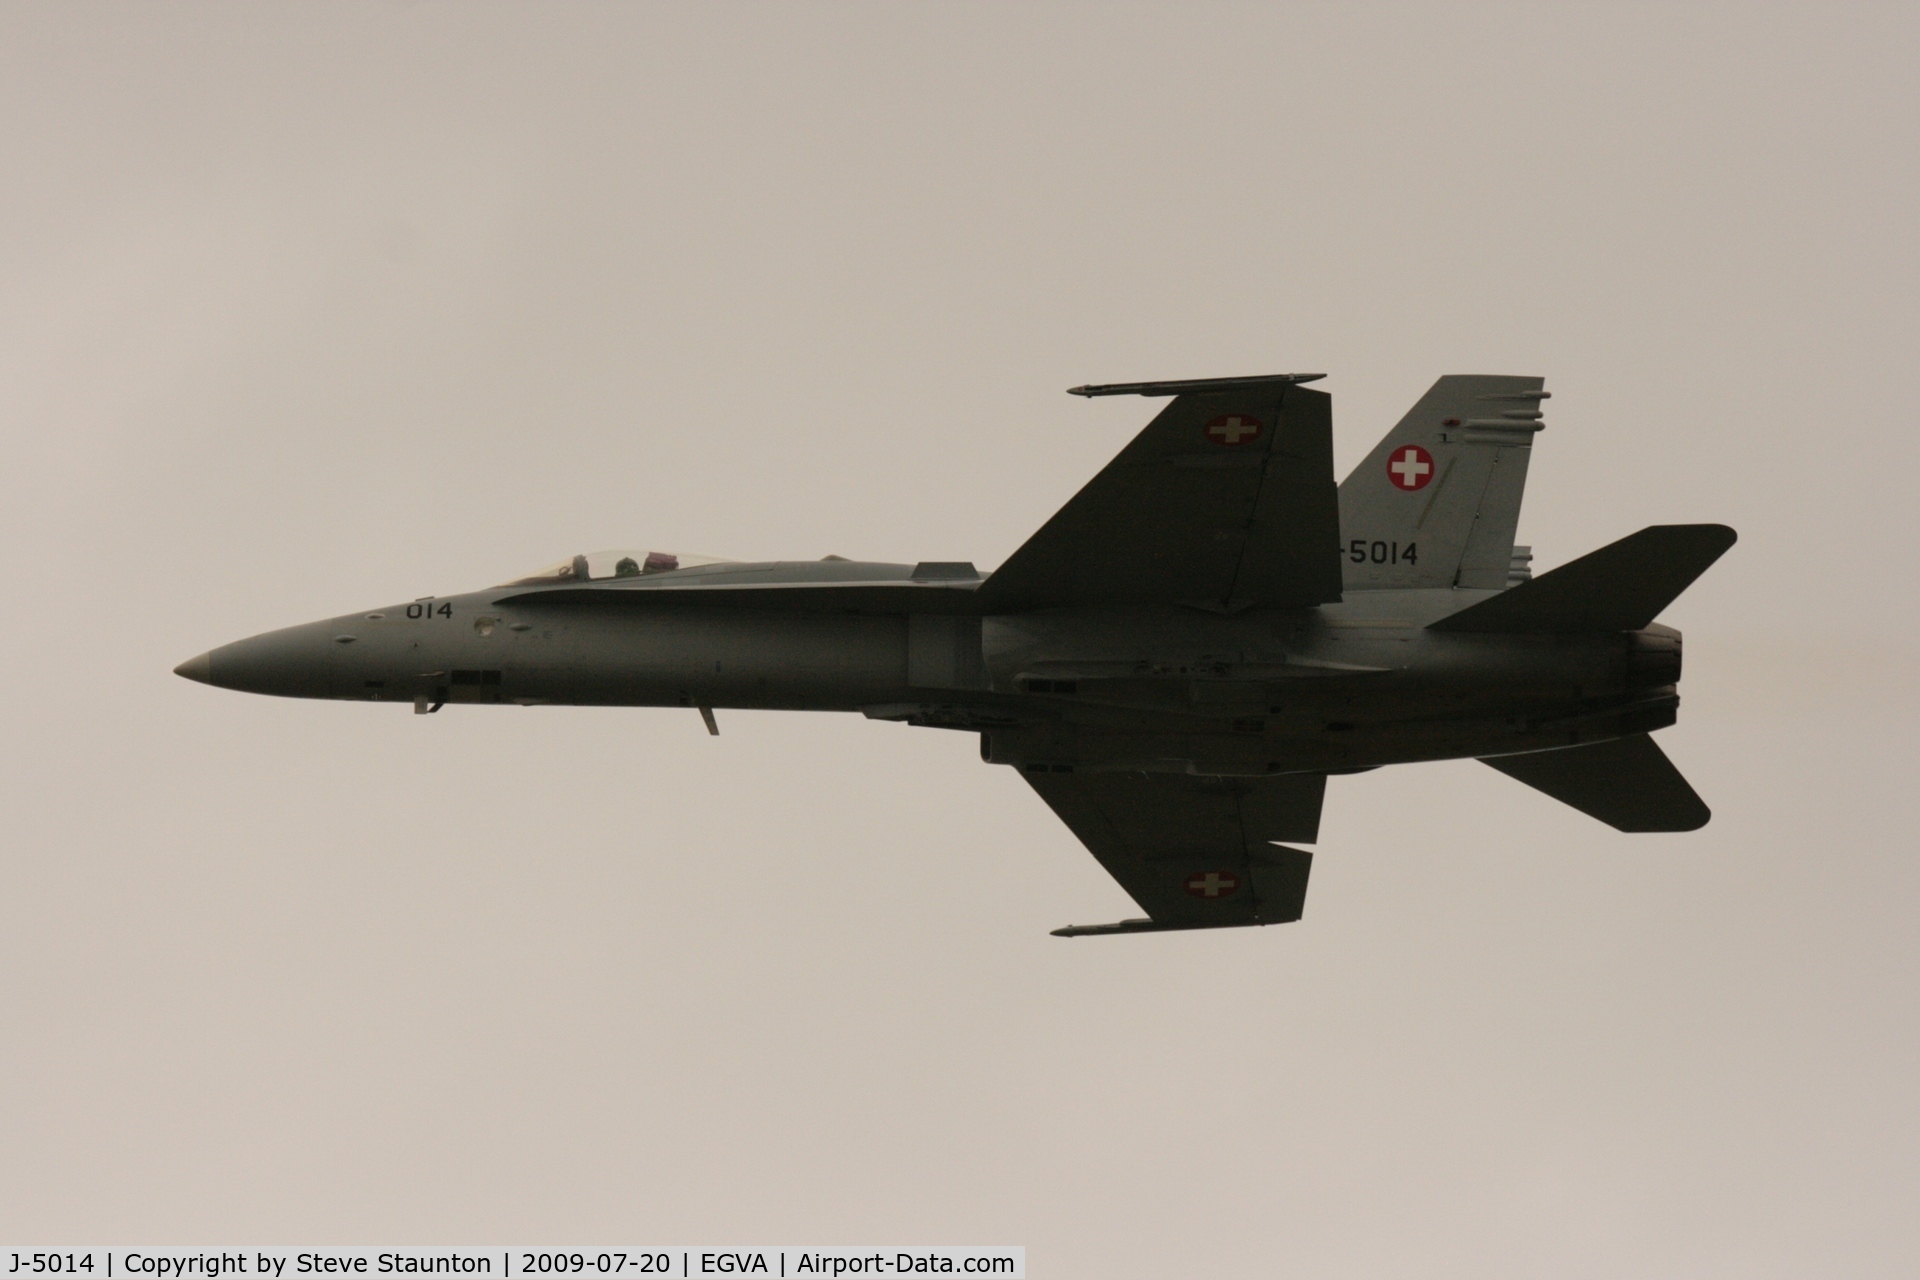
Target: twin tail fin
{"type": "Point", "coordinates": [1437, 501]}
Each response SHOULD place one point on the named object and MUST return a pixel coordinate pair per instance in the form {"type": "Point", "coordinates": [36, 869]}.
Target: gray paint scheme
{"type": "Point", "coordinates": [1478, 430]}
{"type": "Point", "coordinates": [1176, 662]}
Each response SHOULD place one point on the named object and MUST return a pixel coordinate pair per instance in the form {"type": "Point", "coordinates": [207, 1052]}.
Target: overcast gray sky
{"type": "Point", "coordinates": [313, 308]}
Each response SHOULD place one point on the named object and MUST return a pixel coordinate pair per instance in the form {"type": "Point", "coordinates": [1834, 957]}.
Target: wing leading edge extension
{"type": "Point", "coordinates": [1196, 853]}
{"type": "Point", "coordinates": [1226, 500]}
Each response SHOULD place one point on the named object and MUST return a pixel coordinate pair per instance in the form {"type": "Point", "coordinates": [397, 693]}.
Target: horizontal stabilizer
{"type": "Point", "coordinates": [1627, 783]}
{"type": "Point", "coordinates": [1621, 587]}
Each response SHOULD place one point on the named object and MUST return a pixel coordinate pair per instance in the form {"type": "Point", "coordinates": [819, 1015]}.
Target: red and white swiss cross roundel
{"type": "Point", "coordinates": [1234, 428]}
{"type": "Point", "coordinates": [1213, 884]}
{"type": "Point", "coordinates": [1410, 467]}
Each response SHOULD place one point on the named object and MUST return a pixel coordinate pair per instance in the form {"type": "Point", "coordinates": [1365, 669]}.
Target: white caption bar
{"type": "Point", "coordinates": [499, 1263]}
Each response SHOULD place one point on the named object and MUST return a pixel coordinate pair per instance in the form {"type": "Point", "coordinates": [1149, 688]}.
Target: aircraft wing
{"type": "Point", "coordinates": [1225, 500]}
{"type": "Point", "coordinates": [1196, 853]}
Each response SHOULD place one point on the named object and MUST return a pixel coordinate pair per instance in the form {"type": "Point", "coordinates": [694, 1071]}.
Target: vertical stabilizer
{"type": "Point", "coordinates": [1436, 503]}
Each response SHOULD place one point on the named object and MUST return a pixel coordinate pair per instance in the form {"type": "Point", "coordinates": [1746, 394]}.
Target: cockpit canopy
{"type": "Point", "coordinates": [623, 562]}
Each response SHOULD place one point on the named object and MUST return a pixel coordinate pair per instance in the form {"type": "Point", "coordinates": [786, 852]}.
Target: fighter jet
{"type": "Point", "coordinates": [1176, 662]}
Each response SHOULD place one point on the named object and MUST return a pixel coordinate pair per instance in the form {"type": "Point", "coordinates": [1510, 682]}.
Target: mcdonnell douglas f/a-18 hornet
{"type": "Point", "coordinates": [1176, 662]}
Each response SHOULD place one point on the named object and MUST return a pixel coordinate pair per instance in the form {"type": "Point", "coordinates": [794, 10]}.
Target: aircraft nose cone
{"type": "Point", "coordinates": [293, 662]}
